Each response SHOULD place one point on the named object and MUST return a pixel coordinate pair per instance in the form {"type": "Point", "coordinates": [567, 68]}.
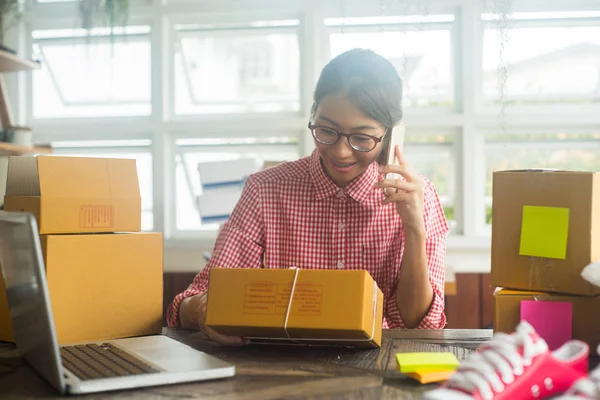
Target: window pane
{"type": "Point", "coordinates": [562, 68]}
{"type": "Point", "coordinates": [432, 156]}
{"type": "Point", "coordinates": [92, 76]}
{"type": "Point", "coordinates": [565, 151]}
{"type": "Point", "coordinates": [249, 69]}
{"type": "Point", "coordinates": [422, 58]}
{"type": "Point", "coordinates": [188, 177]}
{"type": "Point", "coordinates": [144, 168]}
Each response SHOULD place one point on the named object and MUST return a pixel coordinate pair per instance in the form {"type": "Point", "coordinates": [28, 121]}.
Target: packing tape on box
{"type": "Point", "coordinates": [300, 340]}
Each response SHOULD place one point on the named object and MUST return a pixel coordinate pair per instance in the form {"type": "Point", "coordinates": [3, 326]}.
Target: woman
{"type": "Point", "coordinates": [330, 210]}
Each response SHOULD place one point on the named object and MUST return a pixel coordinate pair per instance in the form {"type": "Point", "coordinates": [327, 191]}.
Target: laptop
{"type": "Point", "coordinates": [84, 367]}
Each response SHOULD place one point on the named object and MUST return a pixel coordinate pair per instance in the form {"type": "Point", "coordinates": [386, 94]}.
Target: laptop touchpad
{"type": "Point", "coordinates": [169, 354]}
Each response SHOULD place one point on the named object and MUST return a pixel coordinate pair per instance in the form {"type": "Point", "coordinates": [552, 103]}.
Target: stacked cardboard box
{"type": "Point", "coordinates": [545, 230]}
{"type": "Point", "coordinates": [103, 284]}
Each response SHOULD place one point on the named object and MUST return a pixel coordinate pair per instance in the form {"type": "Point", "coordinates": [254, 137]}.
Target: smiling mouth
{"type": "Point", "coordinates": [342, 165]}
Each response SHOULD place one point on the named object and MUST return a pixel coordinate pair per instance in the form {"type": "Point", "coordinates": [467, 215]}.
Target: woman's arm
{"type": "Point", "coordinates": [414, 293]}
{"type": "Point", "coordinates": [240, 243]}
{"type": "Point", "coordinates": [419, 295]}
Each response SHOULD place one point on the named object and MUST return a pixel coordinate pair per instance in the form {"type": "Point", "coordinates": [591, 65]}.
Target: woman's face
{"type": "Point", "coordinates": [341, 162]}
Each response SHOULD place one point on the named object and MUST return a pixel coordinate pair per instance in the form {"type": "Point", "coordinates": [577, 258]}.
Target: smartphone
{"type": "Point", "coordinates": [396, 139]}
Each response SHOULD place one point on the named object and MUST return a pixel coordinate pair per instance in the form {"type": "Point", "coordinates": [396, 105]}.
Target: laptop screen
{"type": "Point", "coordinates": [27, 293]}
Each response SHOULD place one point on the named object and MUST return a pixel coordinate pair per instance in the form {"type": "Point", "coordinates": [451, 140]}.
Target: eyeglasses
{"type": "Point", "coordinates": [358, 141]}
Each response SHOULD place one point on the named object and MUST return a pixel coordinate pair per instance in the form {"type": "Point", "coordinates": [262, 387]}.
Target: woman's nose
{"type": "Point", "coordinates": [342, 148]}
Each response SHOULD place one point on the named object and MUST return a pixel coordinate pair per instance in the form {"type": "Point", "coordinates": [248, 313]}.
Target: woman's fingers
{"type": "Point", "coordinates": [224, 339]}
{"type": "Point", "coordinates": [400, 186]}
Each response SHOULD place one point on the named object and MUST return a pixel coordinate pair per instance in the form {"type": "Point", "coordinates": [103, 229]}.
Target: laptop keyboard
{"type": "Point", "coordinates": [92, 361]}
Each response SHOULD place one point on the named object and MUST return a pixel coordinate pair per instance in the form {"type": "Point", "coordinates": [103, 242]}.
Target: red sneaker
{"type": "Point", "coordinates": [585, 388]}
{"type": "Point", "coordinates": [517, 366]}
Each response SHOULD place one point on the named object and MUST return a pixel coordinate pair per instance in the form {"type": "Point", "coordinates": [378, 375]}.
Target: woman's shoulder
{"type": "Point", "coordinates": [428, 185]}
{"type": "Point", "coordinates": [281, 172]}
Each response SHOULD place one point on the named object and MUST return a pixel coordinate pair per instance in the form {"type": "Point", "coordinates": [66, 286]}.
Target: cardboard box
{"type": "Point", "coordinates": [336, 308]}
{"type": "Point", "coordinates": [586, 313]}
{"type": "Point", "coordinates": [75, 194]}
{"type": "Point", "coordinates": [101, 286]}
{"type": "Point", "coordinates": [545, 230]}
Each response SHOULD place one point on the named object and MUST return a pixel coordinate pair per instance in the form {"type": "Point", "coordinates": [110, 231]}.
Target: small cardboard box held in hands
{"type": "Point", "coordinates": [336, 308]}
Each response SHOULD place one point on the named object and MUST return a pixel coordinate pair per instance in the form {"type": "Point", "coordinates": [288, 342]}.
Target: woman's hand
{"type": "Point", "coordinates": [408, 194]}
{"type": "Point", "coordinates": [192, 314]}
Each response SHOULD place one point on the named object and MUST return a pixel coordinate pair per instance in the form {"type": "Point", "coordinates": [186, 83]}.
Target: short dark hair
{"type": "Point", "coordinates": [370, 81]}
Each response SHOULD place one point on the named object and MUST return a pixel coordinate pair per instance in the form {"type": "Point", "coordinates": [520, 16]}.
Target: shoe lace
{"type": "Point", "coordinates": [497, 363]}
{"type": "Point", "coordinates": [588, 388]}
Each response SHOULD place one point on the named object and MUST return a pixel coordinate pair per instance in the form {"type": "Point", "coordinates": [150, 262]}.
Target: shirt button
{"type": "Point", "coordinates": [341, 225]}
{"type": "Point", "coordinates": [340, 193]}
{"type": "Point", "coordinates": [340, 264]}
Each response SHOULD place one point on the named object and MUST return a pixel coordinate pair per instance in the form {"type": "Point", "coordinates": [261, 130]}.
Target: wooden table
{"type": "Point", "coordinates": [276, 372]}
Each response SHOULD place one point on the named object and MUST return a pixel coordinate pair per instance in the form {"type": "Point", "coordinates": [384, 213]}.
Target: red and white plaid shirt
{"type": "Point", "coordinates": [293, 215]}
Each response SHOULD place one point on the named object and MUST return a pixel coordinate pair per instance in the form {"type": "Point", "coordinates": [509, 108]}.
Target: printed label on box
{"type": "Point", "coordinates": [269, 298]}
{"type": "Point", "coordinates": [96, 216]}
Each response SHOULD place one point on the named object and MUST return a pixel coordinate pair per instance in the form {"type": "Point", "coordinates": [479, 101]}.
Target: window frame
{"type": "Point", "coordinates": [163, 127]}
{"type": "Point", "coordinates": [531, 109]}
{"type": "Point", "coordinates": [220, 148]}
{"type": "Point", "coordinates": [408, 27]}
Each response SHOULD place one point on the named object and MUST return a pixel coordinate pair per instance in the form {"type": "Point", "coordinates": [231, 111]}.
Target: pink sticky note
{"type": "Point", "coordinates": [553, 320]}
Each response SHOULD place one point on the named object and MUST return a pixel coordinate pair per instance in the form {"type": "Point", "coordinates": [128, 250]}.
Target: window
{"type": "Point", "coordinates": [136, 149]}
{"type": "Point", "coordinates": [234, 82]}
{"type": "Point", "coordinates": [237, 69]}
{"type": "Point", "coordinates": [433, 157]}
{"type": "Point", "coordinates": [566, 151]}
{"type": "Point", "coordinates": [420, 51]}
{"type": "Point", "coordinates": [190, 152]}
{"type": "Point", "coordinates": [95, 75]}
{"type": "Point", "coordinates": [564, 67]}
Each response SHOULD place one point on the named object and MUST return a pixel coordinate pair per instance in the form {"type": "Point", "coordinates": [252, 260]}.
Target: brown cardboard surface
{"type": "Point", "coordinates": [586, 313]}
{"type": "Point", "coordinates": [6, 333]}
{"type": "Point", "coordinates": [102, 286]}
{"type": "Point", "coordinates": [337, 306]}
{"type": "Point", "coordinates": [577, 191]}
{"type": "Point", "coordinates": [75, 194]}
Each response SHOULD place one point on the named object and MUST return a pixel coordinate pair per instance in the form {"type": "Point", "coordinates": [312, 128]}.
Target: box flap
{"type": "Point", "coordinates": [531, 170]}
{"type": "Point", "coordinates": [542, 170]}
{"type": "Point", "coordinates": [511, 292]}
{"type": "Point", "coordinates": [22, 176]}
{"type": "Point", "coordinates": [87, 177]}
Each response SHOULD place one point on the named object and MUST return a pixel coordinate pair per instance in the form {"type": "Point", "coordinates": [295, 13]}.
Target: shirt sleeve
{"type": "Point", "coordinates": [240, 244]}
{"type": "Point", "coordinates": [436, 227]}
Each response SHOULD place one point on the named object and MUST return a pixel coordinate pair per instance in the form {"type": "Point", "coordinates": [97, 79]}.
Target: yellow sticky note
{"type": "Point", "coordinates": [425, 377]}
{"type": "Point", "coordinates": [544, 232]}
{"type": "Point", "coordinates": [421, 362]}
